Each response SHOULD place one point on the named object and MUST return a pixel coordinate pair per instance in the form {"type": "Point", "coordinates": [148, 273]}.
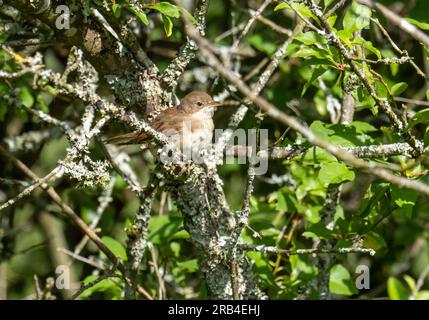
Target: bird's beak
{"type": "Point", "coordinates": [214, 104]}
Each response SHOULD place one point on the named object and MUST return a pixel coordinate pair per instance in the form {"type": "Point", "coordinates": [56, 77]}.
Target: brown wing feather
{"type": "Point", "coordinates": [167, 119]}
{"type": "Point", "coordinates": [128, 138]}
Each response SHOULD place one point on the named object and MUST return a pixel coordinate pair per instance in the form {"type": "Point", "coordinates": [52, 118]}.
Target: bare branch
{"type": "Point", "coordinates": [268, 249]}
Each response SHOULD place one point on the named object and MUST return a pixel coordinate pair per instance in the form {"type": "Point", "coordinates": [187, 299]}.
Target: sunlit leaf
{"type": "Point", "coordinates": [340, 281]}
{"type": "Point", "coordinates": [25, 97]}
{"type": "Point", "coordinates": [421, 25]}
{"type": "Point", "coordinates": [115, 246]}
{"type": "Point", "coordinates": [398, 88]}
{"type": "Point", "coordinates": [396, 289]}
{"type": "Point", "coordinates": [140, 14]}
{"type": "Point", "coordinates": [334, 173]}
{"type": "Point", "coordinates": [421, 116]}
{"type": "Point", "coordinates": [356, 18]}
{"type": "Point", "coordinates": [168, 25]}
{"type": "Point", "coordinates": [167, 9]}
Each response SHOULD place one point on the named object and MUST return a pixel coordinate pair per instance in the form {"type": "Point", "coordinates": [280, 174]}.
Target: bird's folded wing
{"type": "Point", "coordinates": [128, 138]}
{"type": "Point", "coordinates": [169, 122]}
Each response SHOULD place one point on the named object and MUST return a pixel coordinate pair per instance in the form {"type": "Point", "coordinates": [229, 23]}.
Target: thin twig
{"type": "Point", "coordinates": [269, 249]}
{"type": "Point", "coordinates": [250, 22]}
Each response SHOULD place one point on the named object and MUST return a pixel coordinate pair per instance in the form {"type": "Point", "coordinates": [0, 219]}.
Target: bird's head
{"type": "Point", "coordinates": [196, 101]}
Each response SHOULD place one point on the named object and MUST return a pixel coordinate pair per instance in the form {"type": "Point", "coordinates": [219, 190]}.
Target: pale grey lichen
{"type": "Point", "coordinates": [87, 173]}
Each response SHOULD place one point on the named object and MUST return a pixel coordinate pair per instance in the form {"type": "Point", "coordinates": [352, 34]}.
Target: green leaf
{"type": "Point", "coordinates": [313, 187]}
{"type": "Point", "coordinates": [328, 3]}
{"type": "Point", "coordinates": [317, 156]}
{"type": "Point", "coordinates": [368, 45]}
{"type": "Point", "coordinates": [381, 90]}
{"type": "Point", "coordinates": [106, 285]}
{"type": "Point", "coordinates": [116, 247]}
{"type": "Point", "coordinates": [161, 229]}
{"type": "Point", "coordinates": [189, 16]}
{"type": "Point", "coordinates": [281, 202]}
{"type": "Point", "coordinates": [311, 212]}
{"type": "Point", "coordinates": [309, 38]}
{"type": "Point", "coordinates": [167, 9]}
{"type": "Point", "coordinates": [305, 52]}
{"type": "Point", "coordinates": [181, 234]}
{"type": "Point", "coordinates": [262, 44]}
{"type": "Point", "coordinates": [281, 6]}
{"type": "Point", "coordinates": [421, 25]}
{"type": "Point", "coordinates": [340, 281]}
{"type": "Point", "coordinates": [116, 9]}
{"type": "Point", "coordinates": [374, 240]}
{"type": "Point", "coordinates": [396, 289]}
{"type": "Point", "coordinates": [332, 19]}
{"type": "Point", "coordinates": [302, 267]}
{"type": "Point", "coordinates": [404, 199]}
{"type": "Point", "coordinates": [427, 95]}
{"type": "Point", "coordinates": [3, 109]}
{"type": "Point", "coordinates": [175, 248]}
{"type": "Point", "coordinates": [388, 53]}
{"type": "Point", "coordinates": [356, 18]}
{"type": "Point", "coordinates": [363, 127]}
{"type": "Point", "coordinates": [263, 268]}
{"type": "Point", "coordinates": [410, 282]}
{"type": "Point", "coordinates": [334, 173]}
{"type": "Point", "coordinates": [374, 50]}
{"type": "Point", "coordinates": [398, 88]}
{"type": "Point", "coordinates": [422, 295]}
{"type": "Point", "coordinates": [25, 97]}
{"type": "Point", "coordinates": [285, 202]}
{"type": "Point", "coordinates": [421, 116]}
{"type": "Point", "coordinates": [319, 231]}
{"type": "Point", "coordinates": [316, 73]}
{"type": "Point", "coordinates": [339, 134]}
{"type": "Point", "coordinates": [189, 265]}
{"type": "Point", "coordinates": [300, 7]}
{"type": "Point", "coordinates": [364, 99]}
{"type": "Point", "coordinates": [168, 25]}
{"type": "Point", "coordinates": [140, 14]}
{"type": "Point", "coordinates": [339, 214]}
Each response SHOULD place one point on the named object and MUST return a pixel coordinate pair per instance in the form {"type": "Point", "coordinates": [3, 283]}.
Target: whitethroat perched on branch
{"type": "Point", "coordinates": [188, 127]}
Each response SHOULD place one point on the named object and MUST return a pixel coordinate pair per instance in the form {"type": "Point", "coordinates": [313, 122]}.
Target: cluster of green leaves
{"type": "Point", "coordinates": [385, 216]}
{"type": "Point", "coordinates": [398, 291]}
{"type": "Point", "coordinates": [322, 59]}
{"type": "Point", "coordinates": [167, 10]}
{"type": "Point", "coordinates": [17, 90]}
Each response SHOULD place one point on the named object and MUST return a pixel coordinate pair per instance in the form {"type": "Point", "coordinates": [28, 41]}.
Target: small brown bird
{"type": "Point", "coordinates": [189, 126]}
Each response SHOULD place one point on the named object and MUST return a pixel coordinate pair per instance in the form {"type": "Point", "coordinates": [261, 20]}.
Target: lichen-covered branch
{"type": "Point", "coordinates": [137, 236]}
{"type": "Point", "coordinates": [275, 250]}
{"type": "Point", "coordinates": [188, 51]}
{"type": "Point", "coordinates": [210, 223]}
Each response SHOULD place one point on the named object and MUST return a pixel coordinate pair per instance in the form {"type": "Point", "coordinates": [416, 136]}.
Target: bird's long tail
{"type": "Point", "coordinates": [127, 138]}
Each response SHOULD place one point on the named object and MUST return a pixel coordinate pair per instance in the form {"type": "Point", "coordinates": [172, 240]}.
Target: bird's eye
{"type": "Point", "coordinates": [199, 103]}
